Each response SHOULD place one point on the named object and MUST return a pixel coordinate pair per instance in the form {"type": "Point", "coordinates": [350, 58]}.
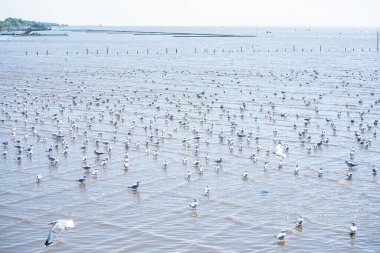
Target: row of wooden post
{"type": "Point", "coordinates": [214, 51]}
{"type": "Point", "coordinates": [241, 49]}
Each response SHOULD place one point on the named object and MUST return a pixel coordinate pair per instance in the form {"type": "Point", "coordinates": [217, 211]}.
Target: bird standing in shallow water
{"type": "Point", "coordinates": [135, 186]}
{"type": "Point", "coordinates": [82, 180]}
{"type": "Point", "coordinates": [219, 161]}
{"type": "Point", "coordinates": [299, 221]}
{"type": "Point", "coordinates": [374, 171]}
{"type": "Point", "coordinates": [353, 229]}
{"type": "Point", "coordinates": [266, 164]}
{"type": "Point", "coordinates": [207, 191]}
{"type": "Point", "coordinates": [188, 175]}
{"type": "Point", "coordinates": [95, 173]}
{"type": "Point", "coordinates": [97, 153]}
{"type": "Point", "coordinates": [87, 167]}
{"type": "Point", "coordinates": [281, 236]}
{"type": "Point", "coordinates": [350, 165]}
{"type": "Point", "coordinates": [296, 170]}
{"type": "Point", "coordinates": [320, 172]}
{"type": "Point", "coordinates": [194, 205]}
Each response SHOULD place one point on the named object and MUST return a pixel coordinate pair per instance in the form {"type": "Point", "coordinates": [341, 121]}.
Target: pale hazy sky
{"type": "Point", "coordinates": [197, 12]}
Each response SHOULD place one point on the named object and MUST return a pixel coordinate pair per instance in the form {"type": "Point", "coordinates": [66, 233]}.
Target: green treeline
{"type": "Point", "coordinates": [18, 23]}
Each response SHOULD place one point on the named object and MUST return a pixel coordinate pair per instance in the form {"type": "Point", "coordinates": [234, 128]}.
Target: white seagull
{"type": "Point", "coordinates": [299, 221]}
{"type": "Point", "coordinates": [320, 172]}
{"type": "Point", "coordinates": [194, 205]}
{"type": "Point", "coordinates": [353, 228]}
{"type": "Point", "coordinates": [58, 226]}
{"type": "Point", "coordinates": [207, 191]}
{"type": "Point", "coordinates": [188, 175]}
{"type": "Point", "coordinates": [280, 151]}
{"type": "Point", "coordinates": [281, 236]}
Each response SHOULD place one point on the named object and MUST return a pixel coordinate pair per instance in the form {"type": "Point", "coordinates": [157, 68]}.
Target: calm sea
{"type": "Point", "coordinates": [149, 96]}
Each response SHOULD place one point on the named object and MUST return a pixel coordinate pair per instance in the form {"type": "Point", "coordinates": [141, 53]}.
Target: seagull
{"type": "Point", "coordinates": [39, 178]}
{"type": "Point", "coordinates": [126, 164]}
{"type": "Point", "coordinates": [245, 175]}
{"type": "Point", "coordinates": [87, 167]}
{"type": "Point", "coordinates": [299, 221]}
{"type": "Point", "coordinates": [220, 160]}
{"type": "Point", "coordinates": [351, 165]}
{"type": "Point", "coordinates": [98, 153]}
{"type": "Point", "coordinates": [5, 153]}
{"type": "Point", "coordinates": [374, 171]}
{"type": "Point", "coordinates": [217, 169]}
{"type": "Point", "coordinates": [52, 159]}
{"type": "Point", "coordinates": [266, 164]}
{"type": "Point", "coordinates": [58, 226]}
{"type": "Point", "coordinates": [201, 170]}
{"type": "Point", "coordinates": [349, 176]}
{"type": "Point", "coordinates": [320, 172]}
{"type": "Point", "coordinates": [296, 170]}
{"type": "Point", "coordinates": [135, 186]}
{"type": "Point", "coordinates": [207, 191]}
{"type": "Point", "coordinates": [280, 151]}
{"type": "Point", "coordinates": [194, 205]}
{"type": "Point", "coordinates": [104, 161]}
{"type": "Point", "coordinates": [188, 175]}
{"type": "Point", "coordinates": [281, 236]}
{"type": "Point", "coordinates": [353, 228]}
{"type": "Point", "coordinates": [95, 173]}
{"type": "Point", "coordinates": [81, 180]}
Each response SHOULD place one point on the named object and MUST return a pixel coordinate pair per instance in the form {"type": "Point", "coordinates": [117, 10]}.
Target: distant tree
{"type": "Point", "coordinates": [18, 23]}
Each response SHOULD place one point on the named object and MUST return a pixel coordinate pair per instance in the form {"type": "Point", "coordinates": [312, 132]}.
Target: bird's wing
{"type": "Point", "coordinates": [60, 225]}
{"type": "Point", "coordinates": [50, 238]}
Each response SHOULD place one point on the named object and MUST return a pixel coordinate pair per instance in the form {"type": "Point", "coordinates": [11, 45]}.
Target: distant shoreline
{"type": "Point", "coordinates": [174, 34]}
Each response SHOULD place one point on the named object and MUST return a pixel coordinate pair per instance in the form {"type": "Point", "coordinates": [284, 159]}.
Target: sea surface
{"type": "Point", "coordinates": [162, 98]}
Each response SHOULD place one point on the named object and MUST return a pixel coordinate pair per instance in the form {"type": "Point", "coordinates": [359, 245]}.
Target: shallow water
{"type": "Point", "coordinates": [145, 89]}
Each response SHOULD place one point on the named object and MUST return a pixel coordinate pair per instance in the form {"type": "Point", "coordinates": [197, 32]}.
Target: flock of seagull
{"type": "Point", "coordinates": [180, 110]}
